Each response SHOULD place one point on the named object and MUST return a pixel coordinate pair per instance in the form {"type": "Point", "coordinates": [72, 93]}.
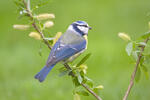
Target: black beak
{"type": "Point", "coordinates": [90, 28]}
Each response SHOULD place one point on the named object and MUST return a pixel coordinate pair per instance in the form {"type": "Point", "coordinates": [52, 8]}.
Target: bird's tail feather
{"type": "Point", "coordinates": [43, 73]}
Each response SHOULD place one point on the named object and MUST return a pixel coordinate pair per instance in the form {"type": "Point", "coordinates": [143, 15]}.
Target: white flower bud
{"type": "Point", "coordinates": [21, 27]}
{"type": "Point", "coordinates": [45, 16]}
{"type": "Point", "coordinates": [35, 35]}
{"type": "Point", "coordinates": [48, 24]}
{"type": "Point", "coordinates": [124, 36]}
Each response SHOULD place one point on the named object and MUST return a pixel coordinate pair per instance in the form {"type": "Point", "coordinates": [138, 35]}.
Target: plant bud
{"type": "Point", "coordinates": [21, 27]}
{"type": "Point", "coordinates": [124, 36]}
{"type": "Point", "coordinates": [48, 24]}
{"type": "Point", "coordinates": [35, 35]}
{"type": "Point", "coordinates": [45, 16]}
{"type": "Point", "coordinates": [100, 87]}
{"type": "Point", "coordinates": [57, 36]}
{"type": "Point", "coordinates": [83, 68]}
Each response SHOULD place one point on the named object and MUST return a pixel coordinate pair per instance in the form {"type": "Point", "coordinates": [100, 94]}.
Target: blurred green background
{"type": "Point", "coordinates": [109, 64]}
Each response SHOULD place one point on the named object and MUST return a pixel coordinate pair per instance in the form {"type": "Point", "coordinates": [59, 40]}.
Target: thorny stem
{"type": "Point", "coordinates": [134, 72]}
{"type": "Point", "coordinates": [46, 42]}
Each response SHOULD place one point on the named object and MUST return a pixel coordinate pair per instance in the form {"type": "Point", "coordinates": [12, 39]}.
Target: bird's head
{"type": "Point", "coordinates": [81, 27]}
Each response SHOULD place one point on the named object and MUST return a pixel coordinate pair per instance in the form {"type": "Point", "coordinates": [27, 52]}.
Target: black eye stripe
{"type": "Point", "coordinates": [80, 25]}
{"type": "Point", "coordinates": [83, 25]}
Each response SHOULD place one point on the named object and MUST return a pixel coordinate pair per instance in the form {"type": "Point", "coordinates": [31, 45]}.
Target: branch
{"type": "Point", "coordinates": [135, 70]}
{"type": "Point", "coordinates": [34, 23]}
{"type": "Point", "coordinates": [93, 93]}
{"type": "Point", "coordinates": [29, 13]}
{"type": "Point", "coordinates": [84, 85]}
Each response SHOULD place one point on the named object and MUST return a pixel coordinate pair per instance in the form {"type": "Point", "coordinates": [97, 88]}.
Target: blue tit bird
{"type": "Point", "coordinates": [70, 45]}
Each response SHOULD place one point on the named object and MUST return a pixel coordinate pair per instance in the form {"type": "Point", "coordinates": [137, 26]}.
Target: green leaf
{"type": "Point", "coordinates": [129, 48]}
{"type": "Point", "coordinates": [135, 55]}
{"type": "Point", "coordinates": [79, 78]}
{"type": "Point", "coordinates": [142, 60]}
{"type": "Point", "coordinates": [82, 92]}
{"type": "Point", "coordinates": [142, 43]}
{"type": "Point", "coordinates": [49, 39]}
{"type": "Point", "coordinates": [89, 82]}
{"type": "Point", "coordinates": [146, 35]}
{"type": "Point", "coordinates": [19, 4]}
{"type": "Point", "coordinates": [84, 59]}
{"type": "Point", "coordinates": [75, 81]}
{"type": "Point", "coordinates": [138, 75]}
{"type": "Point", "coordinates": [96, 90]}
{"type": "Point", "coordinates": [100, 87]}
{"type": "Point", "coordinates": [145, 70]}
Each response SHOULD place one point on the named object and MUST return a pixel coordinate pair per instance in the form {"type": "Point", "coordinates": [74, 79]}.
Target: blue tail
{"type": "Point", "coordinates": [43, 73]}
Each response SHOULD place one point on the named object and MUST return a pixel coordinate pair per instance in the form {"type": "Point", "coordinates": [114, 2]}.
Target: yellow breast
{"type": "Point", "coordinates": [86, 38]}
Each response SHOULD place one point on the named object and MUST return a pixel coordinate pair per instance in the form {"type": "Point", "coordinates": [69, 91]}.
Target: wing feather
{"type": "Point", "coordinates": [65, 47]}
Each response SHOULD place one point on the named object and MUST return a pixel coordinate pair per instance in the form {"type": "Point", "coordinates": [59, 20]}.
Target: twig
{"type": "Point", "coordinates": [34, 23]}
{"type": "Point", "coordinates": [93, 93]}
{"type": "Point", "coordinates": [135, 70]}
{"type": "Point", "coordinates": [46, 42]}
{"type": "Point", "coordinates": [84, 85]}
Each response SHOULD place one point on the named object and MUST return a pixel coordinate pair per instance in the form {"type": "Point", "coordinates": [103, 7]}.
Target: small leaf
{"type": "Point", "coordinates": [142, 60]}
{"type": "Point", "coordinates": [138, 75]}
{"type": "Point", "coordinates": [135, 55]}
{"type": "Point", "coordinates": [89, 82]}
{"type": "Point", "coordinates": [75, 81]}
{"type": "Point", "coordinates": [129, 48]}
{"type": "Point", "coordinates": [49, 39]}
{"type": "Point", "coordinates": [82, 92]}
{"type": "Point", "coordinates": [142, 43]}
{"type": "Point", "coordinates": [76, 96]}
{"type": "Point", "coordinates": [100, 87]}
{"type": "Point", "coordinates": [79, 78]}
{"type": "Point", "coordinates": [146, 35]}
{"type": "Point", "coordinates": [144, 68]}
{"type": "Point", "coordinates": [84, 59]}
{"type": "Point", "coordinates": [96, 90]}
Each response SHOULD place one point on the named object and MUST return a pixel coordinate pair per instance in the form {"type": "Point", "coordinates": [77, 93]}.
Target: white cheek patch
{"type": "Point", "coordinates": [83, 29]}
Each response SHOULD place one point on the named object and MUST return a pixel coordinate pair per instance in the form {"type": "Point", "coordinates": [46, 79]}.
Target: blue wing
{"type": "Point", "coordinates": [62, 51]}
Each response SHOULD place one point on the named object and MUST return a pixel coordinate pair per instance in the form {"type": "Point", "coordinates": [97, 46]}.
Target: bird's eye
{"type": "Point", "coordinates": [83, 25]}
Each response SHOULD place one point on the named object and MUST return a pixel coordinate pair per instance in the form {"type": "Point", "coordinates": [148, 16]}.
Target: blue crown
{"type": "Point", "coordinates": [78, 23]}
{"type": "Point", "coordinates": [81, 22]}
